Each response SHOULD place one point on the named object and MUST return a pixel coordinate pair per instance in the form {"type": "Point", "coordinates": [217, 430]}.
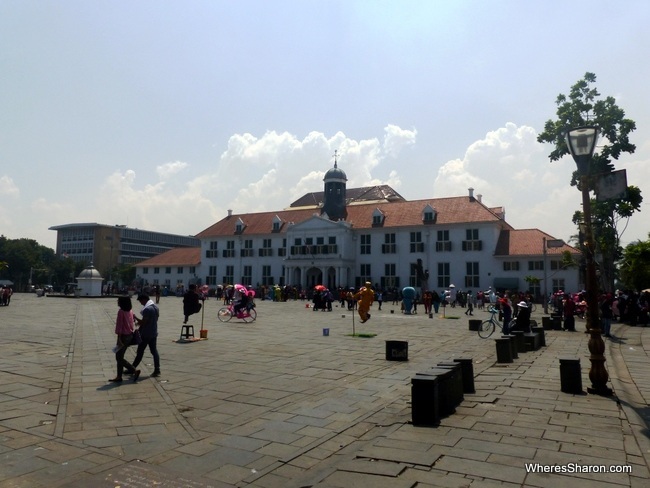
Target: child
{"type": "Point", "coordinates": [124, 328]}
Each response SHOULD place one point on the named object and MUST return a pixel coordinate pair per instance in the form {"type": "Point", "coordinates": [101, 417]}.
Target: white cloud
{"type": "Point", "coordinates": [509, 168]}
{"type": "Point", "coordinates": [7, 187]}
{"type": "Point", "coordinates": [167, 170]}
{"type": "Point", "coordinates": [272, 171]}
{"type": "Point", "coordinates": [396, 138]}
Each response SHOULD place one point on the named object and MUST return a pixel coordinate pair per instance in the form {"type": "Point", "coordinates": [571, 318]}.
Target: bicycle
{"type": "Point", "coordinates": [248, 314]}
{"type": "Point", "coordinates": [487, 327]}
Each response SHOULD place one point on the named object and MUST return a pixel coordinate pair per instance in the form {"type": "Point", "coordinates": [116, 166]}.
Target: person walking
{"type": "Point", "coordinates": [148, 331]}
{"type": "Point", "coordinates": [606, 314]}
{"type": "Point", "coordinates": [380, 299]}
{"type": "Point", "coordinates": [568, 312]}
{"type": "Point", "coordinates": [124, 328]}
{"type": "Point", "coordinates": [470, 305]}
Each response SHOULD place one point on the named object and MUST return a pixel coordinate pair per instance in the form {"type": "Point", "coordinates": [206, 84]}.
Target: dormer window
{"type": "Point", "coordinates": [239, 226]}
{"type": "Point", "coordinates": [429, 214]}
{"type": "Point", "coordinates": [276, 224]}
{"type": "Point", "coordinates": [377, 218]}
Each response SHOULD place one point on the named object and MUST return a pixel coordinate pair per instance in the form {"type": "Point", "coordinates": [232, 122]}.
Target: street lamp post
{"type": "Point", "coordinates": [581, 142]}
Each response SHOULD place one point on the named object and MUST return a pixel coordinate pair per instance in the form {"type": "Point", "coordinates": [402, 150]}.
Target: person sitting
{"type": "Point", "coordinates": [241, 300]}
{"type": "Point", "coordinates": [523, 317]}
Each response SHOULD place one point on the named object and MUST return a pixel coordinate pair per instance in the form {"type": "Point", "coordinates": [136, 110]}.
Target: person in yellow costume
{"type": "Point", "coordinates": [364, 297]}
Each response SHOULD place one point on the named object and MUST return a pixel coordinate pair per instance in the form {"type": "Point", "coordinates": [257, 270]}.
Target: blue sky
{"type": "Point", "coordinates": [163, 115]}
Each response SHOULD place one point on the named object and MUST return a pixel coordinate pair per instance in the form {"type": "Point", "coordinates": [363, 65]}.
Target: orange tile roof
{"type": "Point", "coordinates": [181, 256]}
{"type": "Point", "coordinates": [451, 210]}
{"type": "Point", "coordinates": [528, 242]}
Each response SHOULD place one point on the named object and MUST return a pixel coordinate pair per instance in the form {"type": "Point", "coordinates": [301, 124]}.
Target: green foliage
{"type": "Point", "coordinates": [584, 107]}
{"type": "Point", "coordinates": [532, 280]}
{"type": "Point", "coordinates": [568, 261]}
{"type": "Point", "coordinates": [635, 265]}
{"type": "Point", "coordinates": [124, 273]}
{"type": "Point", "coordinates": [26, 259]}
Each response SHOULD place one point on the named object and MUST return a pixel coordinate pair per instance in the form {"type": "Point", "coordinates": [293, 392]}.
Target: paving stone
{"type": "Point", "coordinates": [261, 404]}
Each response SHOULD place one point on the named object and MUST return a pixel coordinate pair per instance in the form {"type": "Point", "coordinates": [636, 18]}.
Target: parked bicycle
{"type": "Point", "coordinates": [487, 327]}
{"type": "Point", "coordinates": [247, 314]}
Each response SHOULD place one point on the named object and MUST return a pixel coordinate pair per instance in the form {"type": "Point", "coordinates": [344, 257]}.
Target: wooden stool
{"type": "Point", "coordinates": [187, 332]}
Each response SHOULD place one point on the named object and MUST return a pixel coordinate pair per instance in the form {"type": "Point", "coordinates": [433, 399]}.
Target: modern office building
{"type": "Point", "coordinates": [345, 237]}
{"type": "Point", "coordinates": [107, 246]}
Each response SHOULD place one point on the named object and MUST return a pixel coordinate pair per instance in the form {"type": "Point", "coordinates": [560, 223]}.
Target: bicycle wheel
{"type": "Point", "coordinates": [252, 315]}
{"type": "Point", "coordinates": [486, 329]}
{"type": "Point", "coordinates": [224, 314]}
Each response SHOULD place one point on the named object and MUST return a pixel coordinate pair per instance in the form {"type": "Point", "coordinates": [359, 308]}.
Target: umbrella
{"type": "Point", "coordinates": [452, 286]}
{"type": "Point", "coordinates": [205, 289]}
{"type": "Point", "coordinates": [239, 287]}
{"type": "Point", "coordinates": [320, 288]}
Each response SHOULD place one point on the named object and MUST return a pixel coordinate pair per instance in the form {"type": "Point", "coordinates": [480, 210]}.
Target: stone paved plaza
{"type": "Point", "coordinates": [276, 403]}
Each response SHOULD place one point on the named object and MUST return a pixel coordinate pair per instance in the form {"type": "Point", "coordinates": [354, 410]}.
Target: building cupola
{"type": "Point", "coordinates": [334, 195]}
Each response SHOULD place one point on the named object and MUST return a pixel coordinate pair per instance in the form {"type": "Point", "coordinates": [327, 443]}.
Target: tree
{"type": "Point", "coordinates": [635, 265]}
{"type": "Point", "coordinates": [26, 259]}
{"type": "Point", "coordinates": [584, 107]}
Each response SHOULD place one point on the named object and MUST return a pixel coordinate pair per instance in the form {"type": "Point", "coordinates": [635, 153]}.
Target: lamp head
{"type": "Point", "coordinates": [581, 142]}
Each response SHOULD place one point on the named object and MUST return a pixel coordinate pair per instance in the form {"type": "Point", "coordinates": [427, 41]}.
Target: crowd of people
{"type": "Point", "coordinates": [5, 295]}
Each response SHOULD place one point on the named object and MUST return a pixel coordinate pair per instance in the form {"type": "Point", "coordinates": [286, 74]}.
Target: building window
{"type": "Point", "coordinates": [212, 251]}
{"type": "Point", "coordinates": [413, 275]}
{"type": "Point", "coordinates": [267, 279]}
{"type": "Point", "coordinates": [556, 265]}
{"type": "Point", "coordinates": [472, 275]}
{"type": "Point", "coordinates": [276, 224]}
{"type": "Point", "coordinates": [365, 244]}
{"type": "Point", "coordinates": [389, 247]}
{"type": "Point", "coordinates": [390, 278]}
{"type": "Point", "coordinates": [156, 270]}
{"type": "Point", "coordinates": [145, 270]}
{"type": "Point", "coordinates": [229, 252]}
{"type": "Point", "coordinates": [443, 243]}
{"type": "Point", "coordinates": [229, 278]}
{"type": "Point", "coordinates": [535, 265]}
{"type": "Point", "coordinates": [179, 270]}
{"type": "Point", "coordinates": [247, 278]}
{"type": "Point", "coordinates": [192, 269]}
{"type": "Point", "coordinates": [211, 279]}
{"type": "Point", "coordinates": [428, 215]}
{"type": "Point", "coordinates": [472, 241]}
{"type": "Point", "coordinates": [416, 242]}
{"type": "Point", "coordinates": [558, 285]}
{"type": "Point", "coordinates": [282, 251]}
{"type": "Point", "coordinates": [534, 289]}
{"type": "Point", "coordinates": [266, 249]}
{"type": "Point", "coordinates": [444, 279]}
{"type": "Point", "coordinates": [511, 266]}
{"type": "Point", "coordinates": [168, 270]}
{"type": "Point", "coordinates": [377, 218]}
{"type": "Point", "coordinates": [247, 250]}
{"type": "Point", "coordinates": [364, 275]}
{"type": "Point", "coordinates": [239, 226]}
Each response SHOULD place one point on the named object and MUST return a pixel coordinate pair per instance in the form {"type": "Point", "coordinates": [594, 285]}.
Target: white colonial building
{"type": "Point", "coordinates": [345, 237]}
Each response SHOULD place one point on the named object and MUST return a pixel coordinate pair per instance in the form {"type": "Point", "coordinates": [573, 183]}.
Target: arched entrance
{"type": "Point", "coordinates": [331, 279]}
{"type": "Point", "coordinates": [313, 277]}
{"type": "Point", "coordinates": [295, 279]}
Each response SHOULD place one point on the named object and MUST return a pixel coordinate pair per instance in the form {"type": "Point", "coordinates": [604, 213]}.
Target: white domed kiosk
{"type": "Point", "coordinates": [90, 282]}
